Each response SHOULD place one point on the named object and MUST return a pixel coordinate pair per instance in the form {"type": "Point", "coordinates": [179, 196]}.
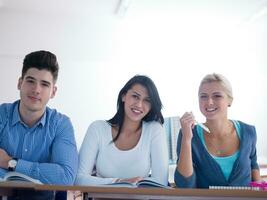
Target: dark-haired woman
{"type": "Point", "coordinates": [131, 145]}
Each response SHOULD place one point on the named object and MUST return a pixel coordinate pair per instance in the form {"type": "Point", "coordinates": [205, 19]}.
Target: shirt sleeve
{"type": "Point", "coordinates": [87, 157]}
{"type": "Point", "coordinates": [2, 172]}
{"type": "Point", "coordinates": [3, 116]}
{"type": "Point", "coordinates": [159, 156]}
{"type": "Point", "coordinates": [63, 164]}
{"type": "Point", "coordinates": [179, 179]}
{"type": "Point", "coordinates": [3, 119]}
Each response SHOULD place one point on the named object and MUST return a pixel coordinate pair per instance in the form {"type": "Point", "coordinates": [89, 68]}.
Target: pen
{"type": "Point", "coordinates": [204, 127]}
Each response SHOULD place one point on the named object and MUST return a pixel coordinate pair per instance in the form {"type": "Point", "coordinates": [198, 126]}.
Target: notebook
{"type": "Point", "coordinates": [233, 187]}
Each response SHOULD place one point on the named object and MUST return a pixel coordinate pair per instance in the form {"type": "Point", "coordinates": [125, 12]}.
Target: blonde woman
{"type": "Point", "coordinates": [225, 156]}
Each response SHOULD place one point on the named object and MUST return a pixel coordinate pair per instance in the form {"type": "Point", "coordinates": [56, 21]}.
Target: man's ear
{"type": "Point", "coordinates": [19, 83]}
{"type": "Point", "coordinates": [54, 91]}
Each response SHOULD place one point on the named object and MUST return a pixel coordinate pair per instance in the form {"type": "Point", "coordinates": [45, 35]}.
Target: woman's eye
{"type": "Point", "coordinates": [217, 96]}
{"type": "Point", "coordinates": [148, 100]}
{"type": "Point", "coordinates": [203, 97]}
{"type": "Point", "coordinates": [135, 96]}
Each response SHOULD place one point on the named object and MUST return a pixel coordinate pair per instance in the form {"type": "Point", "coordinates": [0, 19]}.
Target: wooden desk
{"type": "Point", "coordinates": [144, 193]}
{"type": "Point", "coordinates": [7, 188]}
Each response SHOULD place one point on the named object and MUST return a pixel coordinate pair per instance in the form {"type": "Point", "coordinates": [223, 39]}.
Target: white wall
{"type": "Point", "coordinates": [175, 45]}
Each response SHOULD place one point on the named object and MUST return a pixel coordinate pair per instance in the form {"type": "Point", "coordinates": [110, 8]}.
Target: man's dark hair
{"type": "Point", "coordinates": [41, 60]}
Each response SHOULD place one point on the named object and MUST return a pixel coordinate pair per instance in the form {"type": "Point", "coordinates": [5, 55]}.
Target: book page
{"type": "Point", "coordinates": [151, 183]}
{"type": "Point", "coordinates": [121, 184]}
{"type": "Point", "coordinates": [16, 176]}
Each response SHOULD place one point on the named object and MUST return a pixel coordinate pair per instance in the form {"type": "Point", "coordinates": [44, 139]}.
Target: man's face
{"type": "Point", "coordinates": [36, 88]}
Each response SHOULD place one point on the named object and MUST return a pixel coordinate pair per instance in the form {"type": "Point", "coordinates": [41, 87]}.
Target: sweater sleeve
{"type": "Point", "coordinates": [88, 155]}
{"type": "Point", "coordinates": [179, 179]}
{"type": "Point", "coordinates": [253, 154]}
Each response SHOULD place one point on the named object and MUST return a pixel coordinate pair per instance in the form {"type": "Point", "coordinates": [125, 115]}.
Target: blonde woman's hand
{"type": "Point", "coordinates": [187, 123]}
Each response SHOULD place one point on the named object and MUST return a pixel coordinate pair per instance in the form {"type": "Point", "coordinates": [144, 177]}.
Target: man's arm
{"type": "Point", "coordinates": [63, 164]}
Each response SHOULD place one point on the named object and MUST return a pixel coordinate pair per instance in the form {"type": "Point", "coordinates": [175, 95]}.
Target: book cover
{"type": "Point", "coordinates": [16, 176]}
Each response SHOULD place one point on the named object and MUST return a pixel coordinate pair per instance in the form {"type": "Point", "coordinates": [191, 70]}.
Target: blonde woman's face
{"type": "Point", "coordinates": [213, 100]}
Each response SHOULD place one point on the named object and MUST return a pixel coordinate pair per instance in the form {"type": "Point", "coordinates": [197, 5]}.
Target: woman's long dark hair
{"type": "Point", "coordinates": [156, 105]}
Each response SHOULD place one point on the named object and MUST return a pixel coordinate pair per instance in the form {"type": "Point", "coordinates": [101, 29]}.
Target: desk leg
{"type": "Point", "coordinates": [74, 195]}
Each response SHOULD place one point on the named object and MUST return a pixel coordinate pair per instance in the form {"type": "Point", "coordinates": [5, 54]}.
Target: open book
{"type": "Point", "coordinates": [16, 176]}
{"type": "Point", "coordinates": [145, 183]}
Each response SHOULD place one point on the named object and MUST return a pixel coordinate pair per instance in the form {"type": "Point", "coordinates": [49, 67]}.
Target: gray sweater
{"type": "Point", "coordinates": [207, 171]}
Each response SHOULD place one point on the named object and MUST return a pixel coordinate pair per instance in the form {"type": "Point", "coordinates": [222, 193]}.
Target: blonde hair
{"type": "Point", "coordinates": [223, 81]}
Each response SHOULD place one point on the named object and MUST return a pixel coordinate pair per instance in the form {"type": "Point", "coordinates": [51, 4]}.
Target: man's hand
{"type": "Point", "coordinates": [4, 158]}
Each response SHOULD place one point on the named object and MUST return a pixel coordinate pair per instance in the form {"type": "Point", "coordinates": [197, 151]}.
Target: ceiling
{"type": "Point", "coordinates": [86, 28]}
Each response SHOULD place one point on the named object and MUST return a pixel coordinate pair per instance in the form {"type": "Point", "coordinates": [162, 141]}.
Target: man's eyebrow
{"type": "Point", "coordinates": [30, 77]}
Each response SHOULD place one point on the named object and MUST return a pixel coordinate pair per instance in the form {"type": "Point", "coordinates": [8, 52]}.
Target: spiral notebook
{"type": "Point", "coordinates": [233, 188]}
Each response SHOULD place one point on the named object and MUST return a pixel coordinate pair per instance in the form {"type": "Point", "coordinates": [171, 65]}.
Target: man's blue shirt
{"type": "Point", "coordinates": [47, 151]}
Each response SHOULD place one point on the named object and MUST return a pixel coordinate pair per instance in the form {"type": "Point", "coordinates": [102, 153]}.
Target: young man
{"type": "Point", "coordinates": [34, 139]}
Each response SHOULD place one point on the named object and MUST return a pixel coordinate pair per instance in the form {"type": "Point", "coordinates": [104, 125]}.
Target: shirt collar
{"type": "Point", "coordinates": [16, 116]}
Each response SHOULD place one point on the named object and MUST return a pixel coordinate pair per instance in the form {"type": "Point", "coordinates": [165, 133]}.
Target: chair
{"type": "Point", "coordinates": [172, 127]}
